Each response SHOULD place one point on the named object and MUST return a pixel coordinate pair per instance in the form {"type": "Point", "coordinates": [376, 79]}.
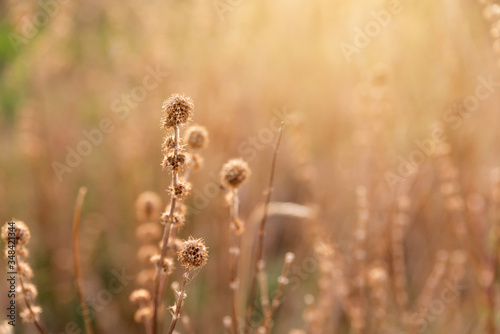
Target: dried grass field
{"type": "Point", "coordinates": [250, 166]}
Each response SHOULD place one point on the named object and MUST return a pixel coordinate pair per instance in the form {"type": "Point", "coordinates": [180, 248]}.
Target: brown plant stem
{"type": "Point", "coordinates": [178, 305]}
{"type": "Point", "coordinates": [234, 252]}
{"type": "Point", "coordinates": [36, 321]}
{"type": "Point", "coordinates": [76, 259]}
{"type": "Point", "coordinates": [158, 287]}
{"type": "Point", "coordinates": [282, 282]}
{"type": "Point", "coordinates": [260, 240]}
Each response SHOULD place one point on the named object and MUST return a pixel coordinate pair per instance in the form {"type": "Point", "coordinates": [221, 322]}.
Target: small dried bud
{"type": "Point", "coordinates": [167, 264]}
{"type": "Point", "coordinates": [177, 110]}
{"type": "Point", "coordinates": [234, 173]}
{"type": "Point", "coordinates": [193, 253]}
{"type": "Point", "coordinates": [169, 143]}
{"type": "Point", "coordinates": [21, 232]}
{"type": "Point", "coordinates": [180, 191]}
{"type": "Point", "coordinates": [30, 291]}
{"type": "Point", "coordinates": [174, 162]}
{"type": "Point", "coordinates": [196, 137]}
{"type": "Point", "coordinates": [24, 270]}
{"type": "Point", "coordinates": [140, 295]}
{"type": "Point", "coordinates": [148, 206]}
{"type": "Point", "coordinates": [143, 314]}
{"type": "Point", "coordinates": [178, 219]}
{"type": "Point", "coordinates": [30, 316]}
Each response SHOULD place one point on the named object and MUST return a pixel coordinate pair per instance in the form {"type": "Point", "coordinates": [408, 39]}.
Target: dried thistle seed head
{"type": "Point", "coordinates": [176, 110]}
{"type": "Point", "coordinates": [30, 291]}
{"type": "Point", "coordinates": [234, 173]}
{"type": "Point", "coordinates": [180, 191]}
{"type": "Point", "coordinates": [174, 162]}
{"type": "Point", "coordinates": [143, 314]}
{"type": "Point", "coordinates": [140, 295]}
{"type": "Point", "coordinates": [21, 232]}
{"type": "Point", "coordinates": [28, 316]}
{"type": "Point", "coordinates": [196, 137]}
{"type": "Point", "coordinates": [178, 219]}
{"type": "Point", "coordinates": [148, 232]}
{"type": "Point", "coordinates": [168, 143]}
{"type": "Point", "coordinates": [147, 206]}
{"type": "Point", "coordinates": [145, 252]}
{"type": "Point", "coordinates": [194, 253]}
{"type": "Point", "coordinates": [24, 270]}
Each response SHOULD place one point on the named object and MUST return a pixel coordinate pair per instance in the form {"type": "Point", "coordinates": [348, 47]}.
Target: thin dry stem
{"type": "Point", "coordinates": [159, 282]}
{"type": "Point", "coordinates": [76, 259]}
{"type": "Point", "coordinates": [282, 283]}
{"type": "Point", "coordinates": [234, 252]}
{"type": "Point", "coordinates": [178, 305]}
{"type": "Point", "coordinates": [260, 240]}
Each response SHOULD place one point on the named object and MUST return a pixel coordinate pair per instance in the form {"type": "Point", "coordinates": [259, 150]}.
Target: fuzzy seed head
{"type": "Point", "coordinates": [24, 270]}
{"type": "Point", "coordinates": [196, 137]}
{"type": "Point", "coordinates": [194, 253]}
{"type": "Point", "coordinates": [30, 291]}
{"type": "Point", "coordinates": [234, 173]}
{"type": "Point", "coordinates": [28, 316]}
{"type": "Point", "coordinates": [168, 143]}
{"type": "Point", "coordinates": [140, 295]}
{"type": "Point", "coordinates": [180, 191]}
{"type": "Point", "coordinates": [176, 110]}
{"type": "Point", "coordinates": [148, 206]}
{"type": "Point", "coordinates": [21, 232]}
{"type": "Point", "coordinates": [178, 219]}
{"type": "Point", "coordinates": [174, 162]}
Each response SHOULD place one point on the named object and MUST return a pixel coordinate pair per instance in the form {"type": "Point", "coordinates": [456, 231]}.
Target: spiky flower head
{"type": "Point", "coordinates": [174, 162]}
{"type": "Point", "coordinates": [196, 137]}
{"type": "Point", "coordinates": [181, 190]}
{"type": "Point", "coordinates": [177, 110]}
{"type": "Point", "coordinates": [193, 253]}
{"type": "Point", "coordinates": [19, 229]}
{"type": "Point", "coordinates": [234, 173]}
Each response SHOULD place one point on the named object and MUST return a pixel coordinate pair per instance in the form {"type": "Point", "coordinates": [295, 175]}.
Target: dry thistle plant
{"type": "Point", "coordinates": [177, 111]}
{"type": "Point", "coordinates": [234, 173]}
{"type": "Point", "coordinates": [192, 255]}
{"type": "Point", "coordinates": [16, 235]}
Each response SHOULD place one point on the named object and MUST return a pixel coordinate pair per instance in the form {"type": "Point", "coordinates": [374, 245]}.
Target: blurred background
{"type": "Point", "coordinates": [376, 96]}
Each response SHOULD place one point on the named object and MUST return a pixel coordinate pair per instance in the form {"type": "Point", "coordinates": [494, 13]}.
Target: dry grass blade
{"type": "Point", "coordinates": [76, 259]}
{"type": "Point", "coordinates": [260, 240]}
